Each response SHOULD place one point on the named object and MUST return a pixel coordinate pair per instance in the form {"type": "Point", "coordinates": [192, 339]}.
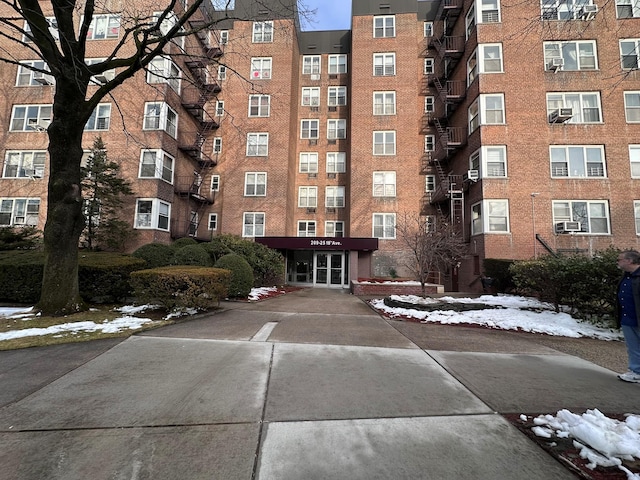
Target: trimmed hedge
{"type": "Point", "coordinates": [155, 254]}
{"type": "Point", "coordinates": [179, 287]}
{"type": "Point", "coordinates": [102, 276]}
{"type": "Point", "coordinates": [193, 254]}
{"type": "Point", "coordinates": [498, 270]}
{"type": "Point", "coordinates": [241, 274]}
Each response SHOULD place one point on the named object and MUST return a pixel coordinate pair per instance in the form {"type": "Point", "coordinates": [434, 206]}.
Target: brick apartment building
{"type": "Point", "coordinates": [517, 121]}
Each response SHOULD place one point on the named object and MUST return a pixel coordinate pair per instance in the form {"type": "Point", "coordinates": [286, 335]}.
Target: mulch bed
{"type": "Point", "coordinates": [562, 449]}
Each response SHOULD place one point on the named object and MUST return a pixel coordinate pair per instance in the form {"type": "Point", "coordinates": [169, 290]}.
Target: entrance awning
{"type": "Point", "coordinates": [319, 243]}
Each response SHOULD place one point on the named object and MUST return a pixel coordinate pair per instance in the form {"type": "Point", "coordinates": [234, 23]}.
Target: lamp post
{"type": "Point", "coordinates": [533, 223]}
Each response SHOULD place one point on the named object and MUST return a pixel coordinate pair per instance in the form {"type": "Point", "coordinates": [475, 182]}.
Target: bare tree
{"type": "Point", "coordinates": [144, 35]}
{"type": "Point", "coordinates": [435, 245]}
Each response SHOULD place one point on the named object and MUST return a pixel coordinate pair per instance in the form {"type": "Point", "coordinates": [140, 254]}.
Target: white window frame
{"type": "Point", "coordinates": [163, 113]}
{"type": "Point", "coordinates": [336, 162]}
{"type": "Point", "coordinates": [490, 216]}
{"type": "Point", "coordinates": [490, 161]}
{"type": "Point", "coordinates": [336, 129]}
{"type": "Point", "coordinates": [337, 64]}
{"type": "Point", "coordinates": [36, 118]}
{"type": "Point", "coordinates": [109, 25]}
{"type": "Point", "coordinates": [164, 70]}
{"type": "Point", "coordinates": [383, 226]}
{"type": "Point", "coordinates": [636, 214]}
{"type": "Point", "coordinates": [253, 224]}
{"type": "Point", "coordinates": [427, 29]}
{"type": "Point", "coordinates": [632, 106]}
{"type": "Point", "coordinates": [308, 162]}
{"type": "Point", "coordinates": [586, 222]}
{"type": "Point", "coordinates": [309, 133]}
{"type": "Point", "coordinates": [255, 184]}
{"type": "Point", "coordinates": [384, 103]}
{"type": "Point", "coordinates": [489, 11]}
{"type": "Point", "coordinates": [384, 64]}
{"type": "Point", "coordinates": [156, 163]}
{"type": "Point", "coordinates": [557, 100]}
{"type": "Point", "coordinates": [24, 163]}
{"type": "Point", "coordinates": [561, 10]}
{"type": "Point", "coordinates": [52, 22]}
{"type": "Point", "coordinates": [29, 78]}
{"type": "Point", "coordinates": [261, 68]}
{"type": "Point", "coordinates": [215, 183]}
{"type": "Point", "coordinates": [334, 196]}
{"type": "Point", "coordinates": [429, 104]}
{"type": "Point", "coordinates": [430, 183]}
{"type": "Point", "coordinates": [100, 118]}
{"type": "Point", "coordinates": [573, 53]}
{"type": "Point", "coordinates": [257, 144]}
{"type": "Point", "coordinates": [384, 26]}
{"type": "Point", "coordinates": [222, 72]}
{"type": "Point", "coordinates": [627, 9]}
{"type": "Point", "coordinates": [429, 66]}
{"type": "Point", "coordinates": [307, 196]}
{"type": "Point", "coordinates": [219, 108]}
{"type": "Point", "coordinates": [486, 60]}
{"type": "Point", "coordinates": [259, 105]}
{"type": "Point", "coordinates": [262, 32]}
{"type": "Point", "coordinates": [152, 219]}
{"type": "Point", "coordinates": [22, 211]}
{"type": "Point", "coordinates": [384, 184]}
{"type": "Point", "coordinates": [217, 145]}
{"type": "Point", "coordinates": [337, 96]}
{"type": "Point", "coordinates": [311, 64]}
{"type": "Point", "coordinates": [306, 228]}
{"type": "Point", "coordinates": [630, 57]}
{"type": "Point", "coordinates": [634, 160]}
{"type": "Point", "coordinates": [212, 224]}
{"type": "Point", "coordinates": [564, 161]}
{"type": "Point", "coordinates": [310, 96]}
{"type": "Point", "coordinates": [429, 143]}
{"type": "Point", "coordinates": [470, 21]}
{"type": "Point", "coordinates": [478, 111]}
{"type": "Point", "coordinates": [334, 229]}
{"type": "Point", "coordinates": [384, 142]}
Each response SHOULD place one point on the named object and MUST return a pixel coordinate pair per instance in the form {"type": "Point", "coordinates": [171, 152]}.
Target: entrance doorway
{"type": "Point", "coordinates": [318, 268]}
{"type": "Point", "coordinates": [329, 267]}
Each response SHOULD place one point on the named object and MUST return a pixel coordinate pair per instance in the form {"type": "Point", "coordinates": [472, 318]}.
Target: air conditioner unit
{"type": "Point", "coordinates": [555, 64]}
{"type": "Point", "coordinates": [470, 176]}
{"type": "Point", "coordinates": [42, 78]}
{"type": "Point", "coordinates": [568, 227]}
{"type": "Point", "coordinates": [311, 210]}
{"type": "Point", "coordinates": [101, 79]}
{"type": "Point", "coordinates": [588, 12]}
{"type": "Point", "coordinates": [560, 115]}
{"type": "Point", "coordinates": [315, 76]}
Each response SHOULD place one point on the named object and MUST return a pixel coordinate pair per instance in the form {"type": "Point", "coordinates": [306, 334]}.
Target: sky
{"type": "Point", "coordinates": [601, 440]}
{"type": "Point", "coordinates": [329, 14]}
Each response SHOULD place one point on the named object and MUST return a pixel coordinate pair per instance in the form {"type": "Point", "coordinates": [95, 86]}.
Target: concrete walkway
{"type": "Point", "coordinates": [309, 385]}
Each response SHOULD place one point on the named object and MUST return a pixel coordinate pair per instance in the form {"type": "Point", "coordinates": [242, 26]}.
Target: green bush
{"type": "Point", "coordinates": [183, 242]}
{"type": "Point", "coordinates": [180, 287]}
{"type": "Point", "coordinates": [267, 264]}
{"type": "Point", "coordinates": [21, 276]}
{"type": "Point", "coordinates": [20, 238]}
{"type": "Point", "coordinates": [241, 274]}
{"type": "Point", "coordinates": [155, 254]}
{"type": "Point", "coordinates": [192, 255]}
{"type": "Point", "coordinates": [498, 270]}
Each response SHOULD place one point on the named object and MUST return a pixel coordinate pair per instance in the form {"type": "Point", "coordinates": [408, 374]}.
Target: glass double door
{"type": "Point", "coordinates": [329, 269]}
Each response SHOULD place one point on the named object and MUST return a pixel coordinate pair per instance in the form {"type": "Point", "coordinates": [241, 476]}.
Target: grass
{"type": "Point", "coordinates": [98, 315]}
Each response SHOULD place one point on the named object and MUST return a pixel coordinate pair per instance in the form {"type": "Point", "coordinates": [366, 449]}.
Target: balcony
{"type": "Point", "coordinates": [191, 186]}
{"type": "Point", "coordinates": [450, 186]}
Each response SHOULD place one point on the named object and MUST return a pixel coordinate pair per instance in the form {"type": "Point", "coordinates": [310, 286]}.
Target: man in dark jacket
{"type": "Point", "coordinates": [629, 311]}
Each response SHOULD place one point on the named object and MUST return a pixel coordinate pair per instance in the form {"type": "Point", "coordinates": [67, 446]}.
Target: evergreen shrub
{"type": "Point", "coordinates": [155, 254]}
{"type": "Point", "coordinates": [241, 280]}
{"type": "Point", "coordinates": [192, 255]}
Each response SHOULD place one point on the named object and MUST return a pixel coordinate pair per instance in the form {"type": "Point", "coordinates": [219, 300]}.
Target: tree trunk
{"type": "Point", "coordinates": [65, 220]}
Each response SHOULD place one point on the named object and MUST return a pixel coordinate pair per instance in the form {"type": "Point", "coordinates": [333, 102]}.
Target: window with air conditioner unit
{"type": "Point", "coordinates": [567, 227]}
{"type": "Point", "coordinates": [555, 64]}
{"type": "Point", "coordinates": [588, 12]}
{"type": "Point", "coordinates": [471, 176]}
{"type": "Point", "coordinates": [560, 115]}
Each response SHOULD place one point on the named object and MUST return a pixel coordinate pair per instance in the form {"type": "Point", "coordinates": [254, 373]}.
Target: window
{"type": "Point", "coordinates": [156, 164]}
{"type": "Point", "coordinates": [262, 32]}
{"type": "Point", "coordinates": [384, 225]}
{"type": "Point", "coordinates": [577, 161]}
{"type": "Point", "coordinates": [308, 162]}
{"type": "Point", "coordinates": [470, 21]}
{"type": "Point", "coordinates": [309, 129]}
{"type": "Point", "coordinates": [253, 224]}
{"type": "Point", "coordinates": [336, 162]}
{"type": "Point", "coordinates": [213, 221]}
{"type": "Point", "coordinates": [169, 21]}
{"type": "Point", "coordinates": [24, 164]}
{"type": "Point", "coordinates": [163, 70]}
{"type": "Point", "coordinates": [489, 161]}
{"type": "Point", "coordinates": [160, 116]}
{"type": "Point", "coordinates": [333, 229]}
{"type": "Point", "coordinates": [28, 118]}
{"type": "Point", "coordinates": [308, 197]}
{"type": "Point", "coordinates": [428, 29]}
{"type": "Point", "coordinates": [472, 67]}
{"type": "Point", "coordinates": [336, 129]}
{"type": "Point", "coordinates": [104, 27]}
{"type": "Point", "coordinates": [337, 64]}
{"type": "Point", "coordinates": [593, 215]}
{"type": "Point", "coordinates": [19, 212]}
{"type": "Point", "coordinates": [490, 55]}
{"type": "Point", "coordinates": [636, 214]}
{"type": "Point", "coordinates": [100, 117]}
{"type": "Point", "coordinates": [384, 143]}
{"type": "Point", "coordinates": [306, 228]}
{"type": "Point", "coordinates": [257, 144]}
{"type": "Point", "coordinates": [585, 106]}
{"type": "Point", "coordinates": [255, 184]}
{"type": "Point", "coordinates": [384, 103]}
{"type": "Point", "coordinates": [384, 26]}
{"type": "Point", "coordinates": [311, 96]}
{"type": "Point", "coordinates": [488, 109]}
{"type": "Point", "coordinates": [30, 78]}
{"type": "Point", "coordinates": [632, 106]}
{"type": "Point", "coordinates": [430, 183]}
{"type": "Point", "coordinates": [217, 144]}
{"type": "Point", "coordinates": [311, 64]}
{"type": "Point", "coordinates": [489, 11]}
{"type": "Point", "coordinates": [219, 108]}
{"type": "Point", "coordinates": [490, 216]}
{"type": "Point", "coordinates": [563, 9]}
{"type": "Point", "coordinates": [215, 183]}
{"type": "Point", "coordinates": [384, 64]}
{"type": "Point", "coordinates": [261, 68]}
{"type": "Point", "coordinates": [223, 37]}
{"type": "Point", "coordinates": [222, 72]}
{"type": "Point", "coordinates": [429, 66]}
{"type": "Point", "coordinates": [384, 184]}
{"type": "Point", "coordinates": [429, 143]}
{"type": "Point", "coordinates": [259, 105]}
{"type": "Point", "coordinates": [53, 29]}
{"type": "Point", "coordinates": [334, 197]}
{"type": "Point", "coordinates": [628, 8]}
{"type": "Point", "coordinates": [634, 158]}
{"type": "Point", "coordinates": [429, 103]}
{"type": "Point", "coordinates": [629, 53]}
{"type": "Point", "coordinates": [337, 96]}
{"type": "Point", "coordinates": [152, 213]}
{"type": "Point", "coordinates": [577, 55]}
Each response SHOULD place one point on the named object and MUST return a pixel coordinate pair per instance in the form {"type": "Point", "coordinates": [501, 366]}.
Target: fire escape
{"type": "Point", "coordinates": [448, 195]}
{"type": "Point", "coordinates": [196, 101]}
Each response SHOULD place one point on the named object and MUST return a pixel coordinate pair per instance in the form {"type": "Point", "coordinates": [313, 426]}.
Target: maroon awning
{"type": "Point", "coordinates": [319, 243]}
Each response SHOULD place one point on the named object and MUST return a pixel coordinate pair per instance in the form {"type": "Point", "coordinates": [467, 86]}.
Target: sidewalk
{"type": "Point", "coordinates": [309, 385]}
